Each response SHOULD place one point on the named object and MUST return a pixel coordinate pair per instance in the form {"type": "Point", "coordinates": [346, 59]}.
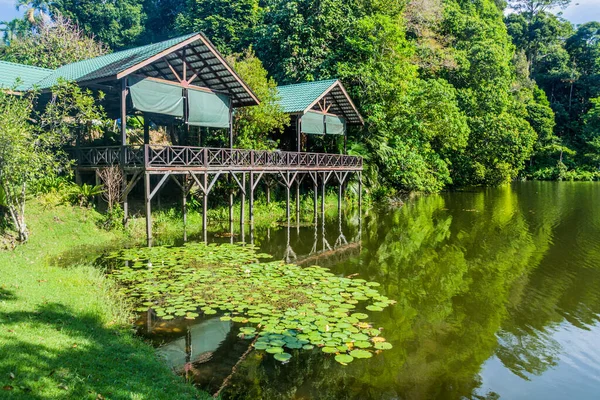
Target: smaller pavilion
{"type": "Point", "coordinates": [318, 108]}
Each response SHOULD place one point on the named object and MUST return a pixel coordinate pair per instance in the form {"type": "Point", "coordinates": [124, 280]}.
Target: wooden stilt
{"type": "Point", "coordinates": [148, 201]}
{"type": "Point", "coordinates": [340, 198]}
{"type": "Point", "coordinates": [205, 206]}
{"type": "Point", "coordinates": [298, 202]}
{"type": "Point", "coordinates": [125, 200]}
{"type": "Point", "coordinates": [323, 196]}
{"type": "Point", "coordinates": [251, 201]}
{"type": "Point", "coordinates": [184, 207]}
{"type": "Point", "coordinates": [287, 204]}
{"type": "Point", "coordinates": [359, 191]}
{"type": "Point", "coordinates": [243, 207]}
{"type": "Point", "coordinates": [316, 199]}
{"type": "Point", "coordinates": [268, 192]}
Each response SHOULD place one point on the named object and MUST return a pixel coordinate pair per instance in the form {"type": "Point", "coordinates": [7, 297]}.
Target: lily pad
{"type": "Point", "coordinates": [361, 354]}
{"type": "Point", "coordinates": [283, 357]}
{"type": "Point", "coordinates": [344, 358]}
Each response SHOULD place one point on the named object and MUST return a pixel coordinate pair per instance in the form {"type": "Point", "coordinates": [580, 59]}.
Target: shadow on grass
{"type": "Point", "coordinates": [83, 360]}
{"type": "Point", "coordinates": [6, 294]}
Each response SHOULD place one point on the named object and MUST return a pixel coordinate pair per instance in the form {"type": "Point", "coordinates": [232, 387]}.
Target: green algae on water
{"type": "Point", "coordinates": [289, 307]}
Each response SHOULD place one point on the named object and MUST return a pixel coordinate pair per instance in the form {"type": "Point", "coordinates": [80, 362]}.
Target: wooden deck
{"type": "Point", "coordinates": [202, 159]}
{"type": "Point", "coordinates": [189, 166]}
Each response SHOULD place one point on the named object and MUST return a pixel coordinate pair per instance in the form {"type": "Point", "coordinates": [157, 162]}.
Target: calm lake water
{"type": "Point", "coordinates": [498, 296]}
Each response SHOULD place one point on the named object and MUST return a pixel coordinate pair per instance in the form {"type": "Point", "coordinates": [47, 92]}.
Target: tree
{"type": "Point", "coordinates": [117, 23]}
{"type": "Point", "coordinates": [51, 44]}
{"type": "Point", "coordinates": [228, 23]}
{"type": "Point", "coordinates": [31, 143]}
{"type": "Point", "coordinates": [534, 7]}
{"type": "Point", "coordinates": [254, 125]}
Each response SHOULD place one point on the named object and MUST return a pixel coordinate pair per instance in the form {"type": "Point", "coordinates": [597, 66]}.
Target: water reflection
{"type": "Point", "coordinates": [498, 295]}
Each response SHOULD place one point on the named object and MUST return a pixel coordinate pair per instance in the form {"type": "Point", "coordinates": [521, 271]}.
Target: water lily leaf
{"type": "Point", "coordinates": [361, 354]}
{"type": "Point", "coordinates": [329, 349]}
{"type": "Point", "coordinates": [362, 344]}
{"type": "Point", "coordinates": [274, 350]}
{"type": "Point", "coordinates": [344, 359]}
{"type": "Point", "coordinates": [283, 357]}
{"type": "Point", "coordinates": [383, 346]}
{"type": "Point", "coordinates": [360, 316]}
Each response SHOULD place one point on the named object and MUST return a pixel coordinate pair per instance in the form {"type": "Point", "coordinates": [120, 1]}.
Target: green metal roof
{"type": "Point", "coordinates": [110, 64]}
{"type": "Point", "coordinates": [296, 98]}
{"type": "Point", "coordinates": [28, 75]}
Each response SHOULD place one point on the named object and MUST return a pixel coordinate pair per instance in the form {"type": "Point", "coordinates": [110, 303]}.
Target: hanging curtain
{"type": "Point", "coordinates": [208, 109]}
{"type": "Point", "coordinates": [156, 97]}
{"type": "Point", "coordinates": [313, 123]}
{"type": "Point", "coordinates": [335, 125]}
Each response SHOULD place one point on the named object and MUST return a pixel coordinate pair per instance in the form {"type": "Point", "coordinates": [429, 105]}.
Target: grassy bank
{"type": "Point", "coordinates": [64, 334]}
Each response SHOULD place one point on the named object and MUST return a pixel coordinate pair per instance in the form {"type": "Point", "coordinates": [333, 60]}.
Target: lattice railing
{"type": "Point", "coordinates": [187, 156]}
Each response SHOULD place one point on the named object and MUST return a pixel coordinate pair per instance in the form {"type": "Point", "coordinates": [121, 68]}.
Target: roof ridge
{"type": "Point", "coordinates": [26, 65]}
{"type": "Point", "coordinates": [309, 83]}
{"type": "Point", "coordinates": [178, 38]}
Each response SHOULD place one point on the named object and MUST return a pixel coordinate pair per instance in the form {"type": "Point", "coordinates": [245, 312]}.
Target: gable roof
{"type": "Point", "coordinates": [27, 75]}
{"type": "Point", "coordinates": [108, 65]}
{"type": "Point", "coordinates": [302, 97]}
{"type": "Point", "coordinates": [191, 56]}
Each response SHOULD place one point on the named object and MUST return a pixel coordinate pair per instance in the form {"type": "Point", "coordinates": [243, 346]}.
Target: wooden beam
{"type": "Point", "coordinates": [159, 55]}
{"type": "Point", "coordinates": [172, 70]}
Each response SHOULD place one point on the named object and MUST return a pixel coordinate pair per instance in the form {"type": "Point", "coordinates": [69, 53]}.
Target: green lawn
{"type": "Point", "coordinates": [63, 331]}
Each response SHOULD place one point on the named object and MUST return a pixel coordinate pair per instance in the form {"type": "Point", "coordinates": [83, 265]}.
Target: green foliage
{"type": "Point", "coordinates": [31, 142]}
{"type": "Point", "coordinates": [84, 194]}
{"type": "Point", "coordinates": [228, 23]}
{"type": "Point", "coordinates": [254, 126]}
{"type": "Point", "coordinates": [51, 44]}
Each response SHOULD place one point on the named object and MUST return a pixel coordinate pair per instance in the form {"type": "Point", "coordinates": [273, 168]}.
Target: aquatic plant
{"type": "Point", "coordinates": [287, 306]}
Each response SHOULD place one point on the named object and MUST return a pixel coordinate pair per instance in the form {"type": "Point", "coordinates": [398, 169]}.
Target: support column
{"type": "Point", "coordinates": [243, 207]}
{"type": "Point", "coordinates": [184, 207]}
{"type": "Point", "coordinates": [251, 200]}
{"type": "Point", "coordinates": [359, 191]}
{"type": "Point", "coordinates": [205, 206]}
{"type": "Point", "coordinates": [316, 195]}
{"type": "Point", "coordinates": [125, 200]}
{"type": "Point", "coordinates": [340, 194]}
{"type": "Point", "coordinates": [268, 193]}
{"type": "Point", "coordinates": [123, 144]}
{"type": "Point", "coordinates": [323, 196]}
{"type": "Point", "coordinates": [146, 129]}
{"type": "Point", "coordinates": [148, 208]}
{"type": "Point", "coordinates": [298, 203]}
{"type": "Point", "coordinates": [287, 204]}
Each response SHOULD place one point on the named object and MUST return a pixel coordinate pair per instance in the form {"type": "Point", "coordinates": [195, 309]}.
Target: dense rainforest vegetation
{"type": "Point", "coordinates": [454, 92]}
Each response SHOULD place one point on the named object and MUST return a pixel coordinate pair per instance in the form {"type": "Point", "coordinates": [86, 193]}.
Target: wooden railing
{"type": "Point", "coordinates": [154, 156]}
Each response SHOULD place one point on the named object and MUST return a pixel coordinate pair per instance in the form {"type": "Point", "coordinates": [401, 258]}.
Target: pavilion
{"type": "Point", "coordinates": [188, 81]}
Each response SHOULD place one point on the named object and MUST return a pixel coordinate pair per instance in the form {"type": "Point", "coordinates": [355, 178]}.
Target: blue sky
{"type": "Point", "coordinates": [578, 12]}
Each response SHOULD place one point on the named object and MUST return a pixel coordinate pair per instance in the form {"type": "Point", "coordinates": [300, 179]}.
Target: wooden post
{"type": "Point", "coordinates": [243, 206]}
{"type": "Point", "coordinates": [268, 192]}
{"type": "Point", "coordinates": [123, 145]}
{"type": "Point", "coordinates": [184, 204]}
{"type": "Point", "coordinates": [298, 203]}
{"type": "Point", "coordinates": [299, 134]}
{"type": "Point", "coordinates": [205, 206]}
{"type": "Point", "coordinates": [359, 192]}
{"type": "Point", "coordinates": [251, 200]}
{"type": "Point", "coordinates": [146, 129]}
{"type": "Point", "coordinates": [323, 197]}
{"type": "Point", "coordinates": [124, 112]}
{"type": "Point", "coordinates": [316, 195]}
{"type": "Point", "coordinates": [125, 200]}
{"type": "Point", "coordinates": [287, 203]}
{"type": "Point", "coordinates": [148, 208]}
{"type": "Point", "coordinates": [340, 198]}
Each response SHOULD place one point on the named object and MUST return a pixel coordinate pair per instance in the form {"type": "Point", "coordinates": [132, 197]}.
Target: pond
{"type": "Point", "coordinates": [497, 290]}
